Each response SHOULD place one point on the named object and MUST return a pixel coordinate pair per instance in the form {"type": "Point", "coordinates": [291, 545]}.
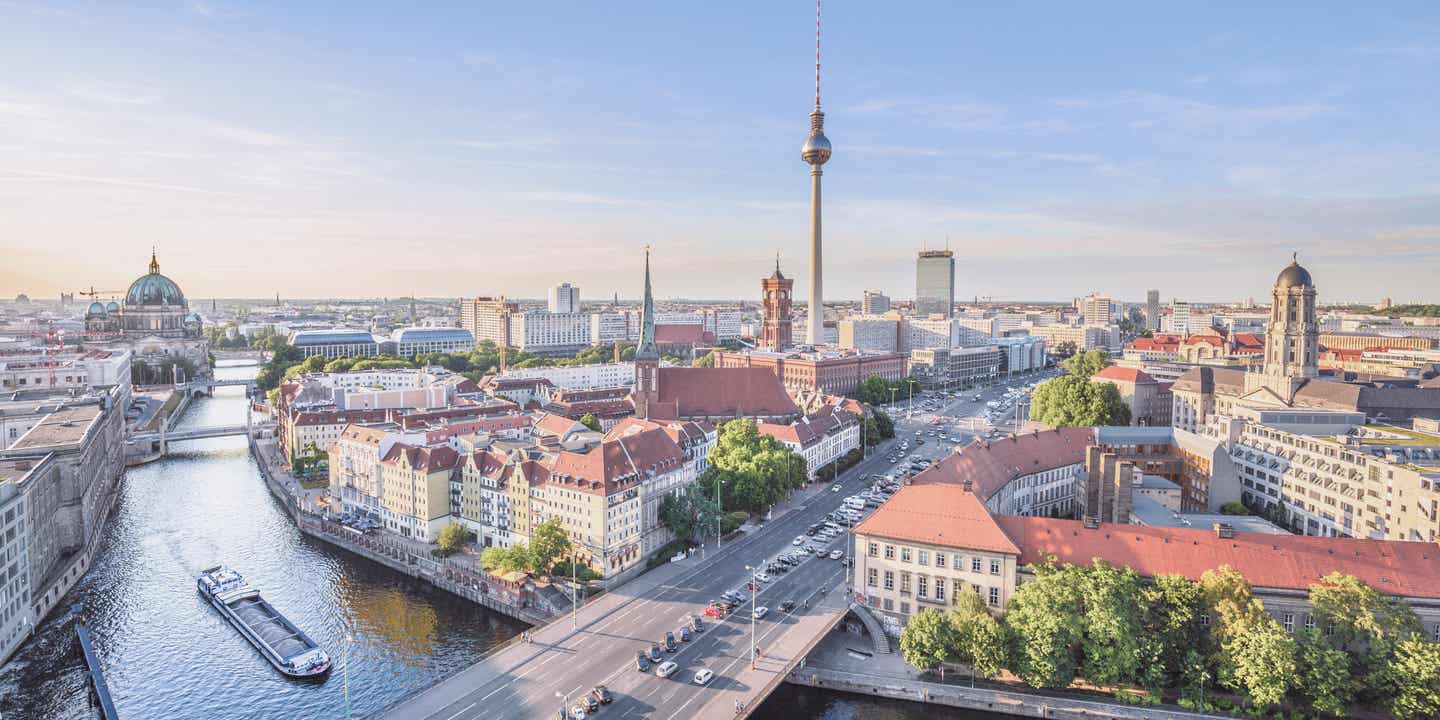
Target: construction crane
{"type": "Point", "coordinates": [54, 344]}
{"type": "Point", "coordinates": [92, 293]}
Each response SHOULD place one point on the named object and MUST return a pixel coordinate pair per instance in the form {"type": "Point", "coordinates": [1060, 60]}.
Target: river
{"type": "Point", "coordinates": [169, 655]}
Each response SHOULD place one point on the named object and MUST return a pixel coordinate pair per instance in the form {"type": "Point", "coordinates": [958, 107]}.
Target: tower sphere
{"type": "Point", "coordinates": [817, 148]}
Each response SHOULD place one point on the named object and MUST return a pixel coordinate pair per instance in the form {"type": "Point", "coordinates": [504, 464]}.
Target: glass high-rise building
{"type": "Point", "coordinates": [935, 283]}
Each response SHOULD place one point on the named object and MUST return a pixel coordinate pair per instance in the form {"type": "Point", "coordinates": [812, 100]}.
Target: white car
{"type": "Point", "coordinates": [837, 554]}
{"type": "Point", "coordinates": [799, 540]}
{"type": "Point", "coordinates": [760, 612]}
{"type": "Point", "coordinates": [666, 669]}
{"type": "Point", "coordinates": [762, 577]}
{"type": "Point", "coordinates": [703, 675]}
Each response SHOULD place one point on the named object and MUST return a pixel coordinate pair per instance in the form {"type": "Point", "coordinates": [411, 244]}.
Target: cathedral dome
{"type": "Point", "coordinates": [112, 307]}
{"type": "Point", "coordinates": [1293, 276]}
{"type": "Point", "coordinates": [96, 308]}
{"type": "Point", "coordinates": [153, 288]}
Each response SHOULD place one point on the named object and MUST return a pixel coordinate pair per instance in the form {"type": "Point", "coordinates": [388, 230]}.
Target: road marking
{"type": "Point", "coordinates": [462, 712]}
{"type": "Point", "coordinates": [496, 690]}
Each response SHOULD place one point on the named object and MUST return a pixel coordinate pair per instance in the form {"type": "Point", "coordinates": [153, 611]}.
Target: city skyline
{"type": "Point", "coordinates": [1219, 146]}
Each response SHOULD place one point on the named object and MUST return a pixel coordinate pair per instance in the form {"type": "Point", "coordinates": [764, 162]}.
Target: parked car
{"type": "Point", "coordinates": [590, 703]}
{"type": "Point", "coordinates": [666, 669]}
{"type": "Point", "coordinates": [752, 586]}
{"type": "Point", "coordinates": [685, 633]}
{"type": "Point", "coordinates": [642, 662]}
{"type": "Point", "coordinates": [835, 488]}
{"type": "Point", "coordinates": [799, 539]}
{"type": "Point", "coordinates": [654, 653]}
{"type": "Point", "coordinates": [696, 624]}
{"type": "Point", "coordinates": [837, 554]}
{"type": "Point", "coordinates": [669, 643]}
{"type": "Point", "coordinates": [762, 577]}
{"type": "Point", "coordinates": [602, 694]}
{"type": "Point", "coordinates": [703, 675]}
{"type": "Point", "coordinates": [715, 611]}
{"type": "Point", "coordinates": [760, 612]}
{"type": "Point", "coordinates": [787, 605]}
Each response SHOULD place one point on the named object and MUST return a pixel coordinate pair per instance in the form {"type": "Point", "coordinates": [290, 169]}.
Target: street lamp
{"type": "Point", "coordinates": [752, 572]}
{"type": "Point", "coordinates": [564, 703]}
{"type": "Point", "coordinates": [911, 411]}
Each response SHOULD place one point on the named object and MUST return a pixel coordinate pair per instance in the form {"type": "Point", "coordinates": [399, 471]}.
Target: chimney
{"type": "Point", "coordinates": [969, 485]}
{"type": "Point", "coordinates": [1224, 531]}
{"type": "Point", "coordinates": [1091, 522]}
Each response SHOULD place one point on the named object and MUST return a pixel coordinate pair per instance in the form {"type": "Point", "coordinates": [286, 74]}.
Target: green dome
{"type": "Point", "coordinates": [96, 308]}
{"type": "Point", "coordinates": [154, 289]}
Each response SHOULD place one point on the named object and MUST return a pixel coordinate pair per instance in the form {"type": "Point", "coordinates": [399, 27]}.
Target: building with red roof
{"type": "Point", "coordinates": [1148, 399]}
{"type": "Point", "coordinates": [931, 541]}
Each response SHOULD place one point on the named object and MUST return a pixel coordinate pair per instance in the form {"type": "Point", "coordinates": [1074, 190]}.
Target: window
{"type": "Point", "coordinates": [994, 567]}
{"type": "Point", "coordinates": [924, 558]}
{"type": "Point", "coordinates": [939, 560]}
{"type": "Point", "coordinates": [871, 576]}
{"type": "Point", "coordinates": [889, 580]}
{"type": "Point", "coordinates": [940, 592]}
{"type": "Point", "coordinates": [922, 586]}
{"type": "Point", "coordinates": [889, 604]}
{"type": "Point", "coordinates": [957, 561]}
{"type": "Point", "coordinates": [904, 608]}
{"type": "Point", "coordinates": [1309, 621]}
{"type": "Point", "coordinates": [889, 552]}
{"type": "Point", "coordinates": [873, 550]}
{"type": "Point", "coordinates": [904, 583]}
{"type": "Point", "coordinates": [905, 554]}
{"type": "Point", "coordinates": [1288, 620]}
{"type": "Point", "coordinates": [994, 597]}
{"type": "Point", "coordinates": [975, 565]}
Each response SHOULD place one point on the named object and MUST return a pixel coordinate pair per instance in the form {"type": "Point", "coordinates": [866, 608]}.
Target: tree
{"type": "Point", "coordinates": [1234, 507]}
{"type": "Point", "coordinates": [1412, 679]}
{"type": "Point", "coordinates": [707, 360]}
{"type": "Point", "coordinates": [1324, 672]}
{"type": "Point", "coordinates": [1086, 364]}
{"type": "Point", "coordinates": [1045, 625]}
{"type": "Point", "coordinates": [548, 542]}
{"type": "Point", "coordinates": [1111, 623]}
{"type": "Point", "coordinates": [1170, 622]}
{"type": "Point", "coordinates": [1065, 348]}
{"type": "Point", "coordinates": [928, 640]}
{"type": "Point", "coordinates": [500, 560]}
{"type": "Point", "coordinates": [691, 514]}
{"type": "Point", "coordinates": [1263, 660]}
{"type": "Point", "coordinates": [883, 425]}
{"type": "Point", "coordinates": [339, 365]}
{"type": "Point", "coordinates": [452, 538]}
{"type": "Point", "coordinates": [590, 421]}
{"type": "Point", "coordinates": [1359, 615]}
{"type": "Point", "coordinates": [758, 470]}
{"type": "Point", "coordinates": [980, 639]}
{"type": "Point", "coordinates": [1073, 401]}
{"type": "Point", "coordinates": [874, 390]}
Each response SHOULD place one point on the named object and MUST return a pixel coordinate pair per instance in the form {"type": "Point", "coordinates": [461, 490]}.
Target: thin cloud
{"type": "Point", "coordinates": [18, 175]}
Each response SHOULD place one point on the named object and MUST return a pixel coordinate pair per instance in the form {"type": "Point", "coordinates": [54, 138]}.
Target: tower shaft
{"type": "Point", "coordinates": [815, 327]}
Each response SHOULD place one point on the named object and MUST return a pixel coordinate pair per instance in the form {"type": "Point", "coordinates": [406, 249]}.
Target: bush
{"type": "Point", "coordinates": [664, 554]}
{"type": "Point", "coordinates": [732, 521]}
{"type": "Point", "coordinates": [1234, 507]}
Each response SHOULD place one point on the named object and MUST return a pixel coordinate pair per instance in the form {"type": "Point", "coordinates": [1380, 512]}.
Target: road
{"type": "Point", "coordinates": [562, 662]}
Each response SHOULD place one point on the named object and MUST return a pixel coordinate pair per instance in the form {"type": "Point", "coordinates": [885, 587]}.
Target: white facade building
{"type": "Point", "coordinates": [538, 331]}
{"type": "Point", "coordinates": [581, 377]}
{"type": "Point", "coordinates": [565, 298]}
{"type": "Point", "coordinates": [870, 333]}
{"type": "Point", "coordinates": [413, 341]}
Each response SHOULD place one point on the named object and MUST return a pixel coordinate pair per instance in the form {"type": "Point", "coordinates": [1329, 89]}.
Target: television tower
{"type": "Point", "coordinates": [815, 153]}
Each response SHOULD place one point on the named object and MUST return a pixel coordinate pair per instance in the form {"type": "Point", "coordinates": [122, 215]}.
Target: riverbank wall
{"type": "Point", "coordinates": [510, 599]}
{"type": "Point", "coordinates": [985, 699]}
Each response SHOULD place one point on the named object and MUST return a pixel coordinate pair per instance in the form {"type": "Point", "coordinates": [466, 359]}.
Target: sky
{"type": "Point", "coordinates": [445, 149]}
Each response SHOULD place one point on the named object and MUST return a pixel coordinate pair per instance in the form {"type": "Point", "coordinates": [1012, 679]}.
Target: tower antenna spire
{"type": "Point", "coordinates": [817, 53]}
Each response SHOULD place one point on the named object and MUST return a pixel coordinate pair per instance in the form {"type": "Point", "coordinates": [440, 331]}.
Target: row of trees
{"type": "Point", "coordinates": [1074, 400]}
{"type": "Point", "coordinates": [1109, 626]}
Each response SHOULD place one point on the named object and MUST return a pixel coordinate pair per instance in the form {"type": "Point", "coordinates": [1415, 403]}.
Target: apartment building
{"type": "Point", "coordinates": [546, 333]}
{"type": "Point", "coordinates": [16, 618]}
{"type": "Point", "coordinates": [1030, 473]}
{"type": "Point", "coordinates": [870, 333]}
{"type": "Point", "coordinates": [821, 437]}
{"type": "Point", "coordinates": [415, 489]}
{"type": "Point", "coordinates": [581, 377]}
{"type": "Point", "coordinates": [1148, 399]}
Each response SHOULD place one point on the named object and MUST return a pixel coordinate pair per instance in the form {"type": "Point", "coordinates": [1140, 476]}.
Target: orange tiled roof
{"type": "Point", "coordinates": [937, 514]}
{"type": "Point", "coordinates": [991, 464]}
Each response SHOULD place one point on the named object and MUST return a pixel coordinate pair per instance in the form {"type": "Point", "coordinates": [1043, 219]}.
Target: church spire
{"type": "Point", "coordinates": [154, 263]}
{"type": "Point", "coordinates": [646, 349]}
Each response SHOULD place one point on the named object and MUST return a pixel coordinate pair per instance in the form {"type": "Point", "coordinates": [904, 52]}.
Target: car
{"type": "Point", "coordinates": [715, 611]}
{"type": "Point", "coordinates": [642, 662]}
{"type": "Point", "coordinates": [754, 586]}
{"type": "Point", "coordinates": [577, 712]}
{"type": "Point", "coordinates": [803, 550]}
{"type": "Point", "coordinates": [684, 633]}
{"type": "Point", "coordinates": [810, 531]}
{"type": "Point", "coordinates": [602, 694]}
{"type": "Point", "coordinates": [666, 669]}
{"type": "Point", "coordinates": [669, 643]}
{"type": "Point", "coordinates": [787, 606]}
{"type": "Point", "coordinates": [696, 624]}
{"type": "Point", "coordinates": [798, 540]}
{"type": "Point", "coordinates": [654, 653]}
{"type": "Point", "coordinates": [703, 675]}
{"type": "Point", "coordinates": [760, 612]}
{"type": "Point", "coordinates": [837, 554]}
{"type": "Point", "coordinates": [733, 596]}
{"type": "Point", "coordinates": [590, 703]}
{"type": "Point", "coordinates": [835, 488]}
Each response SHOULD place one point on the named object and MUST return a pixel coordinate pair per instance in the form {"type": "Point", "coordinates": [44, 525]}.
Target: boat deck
{"type": "Point", "coordinates": [270, 626]}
